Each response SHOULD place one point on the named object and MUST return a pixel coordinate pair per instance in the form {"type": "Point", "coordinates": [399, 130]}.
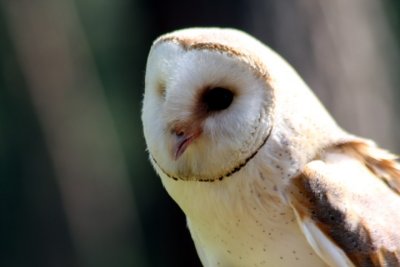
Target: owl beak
{"type": "Point", "coordinates": [182, 142]}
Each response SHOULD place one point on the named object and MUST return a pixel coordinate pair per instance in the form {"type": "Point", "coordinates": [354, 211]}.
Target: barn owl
{"type": "Point", "coordinates": [262, 172]}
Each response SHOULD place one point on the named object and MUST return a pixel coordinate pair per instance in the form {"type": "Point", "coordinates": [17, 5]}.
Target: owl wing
{"type": "Point", "coordinates": [348, 205]}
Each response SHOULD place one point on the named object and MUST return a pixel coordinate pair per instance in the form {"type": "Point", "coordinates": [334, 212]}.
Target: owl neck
{"type": "Point", "coordinates": [245, 190]}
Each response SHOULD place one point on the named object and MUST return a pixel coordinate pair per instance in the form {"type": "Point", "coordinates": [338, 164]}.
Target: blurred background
{"type": "Point", "coordinates": [76, 187]}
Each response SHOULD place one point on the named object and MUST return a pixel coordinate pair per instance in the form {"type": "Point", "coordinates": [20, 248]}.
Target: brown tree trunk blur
{"type": "Point", "coordinates": [80, 135]}
{"type": "Point", "coordinates": [345, 52]}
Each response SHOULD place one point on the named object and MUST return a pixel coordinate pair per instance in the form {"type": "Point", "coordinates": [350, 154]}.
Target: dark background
{"type": "Point", "coordinates": [76, 187]}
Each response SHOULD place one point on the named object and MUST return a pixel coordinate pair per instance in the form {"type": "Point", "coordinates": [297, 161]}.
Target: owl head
{"type": "Point", "coordinates": [213, 99]}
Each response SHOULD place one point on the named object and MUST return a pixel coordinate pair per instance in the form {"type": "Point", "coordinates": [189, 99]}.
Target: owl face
{"type": "Point", "coordinates": [207, 106]}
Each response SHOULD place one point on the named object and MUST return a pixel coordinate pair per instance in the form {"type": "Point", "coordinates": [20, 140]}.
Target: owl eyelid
{"type": "Point", "coordinates": [217, 98]}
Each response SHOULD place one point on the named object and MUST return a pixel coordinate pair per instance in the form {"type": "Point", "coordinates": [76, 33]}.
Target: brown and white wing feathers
{"type": "Point", "coordinates": [381, 162]}
{"type": "Point", "coordinates": [348, 205]}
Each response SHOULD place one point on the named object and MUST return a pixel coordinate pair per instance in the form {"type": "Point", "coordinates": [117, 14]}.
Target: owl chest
{"type": "Point", "coordinates": [242, 225]}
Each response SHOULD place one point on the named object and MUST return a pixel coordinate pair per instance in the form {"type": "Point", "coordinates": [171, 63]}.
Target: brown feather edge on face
{"type": "Point", "coordinates": [258, 69]}
{"type": "Point", "coordinates": [310, 199]}
{"type": "Point", "coordinates": [257, 66]}
{"type": "Point", "coordinates": [220, 178]}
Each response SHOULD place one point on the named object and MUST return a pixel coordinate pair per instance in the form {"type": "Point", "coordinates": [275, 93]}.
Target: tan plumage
{"type": "Point", "coordinates": [343, 196]}
{"type": "Point", "coordinates": [262, 172]}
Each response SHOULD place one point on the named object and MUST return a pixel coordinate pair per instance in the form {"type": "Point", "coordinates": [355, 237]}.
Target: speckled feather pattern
{"type": "Point", "coordinates": [355, 209]}
{"type": "Point", "coordinates": [271, 180]}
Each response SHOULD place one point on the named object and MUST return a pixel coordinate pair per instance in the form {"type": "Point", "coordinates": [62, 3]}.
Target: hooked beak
{"type": "Point", "coordinates": [181, 142]}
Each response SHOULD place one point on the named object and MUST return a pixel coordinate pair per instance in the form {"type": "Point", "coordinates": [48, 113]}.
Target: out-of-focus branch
{"type": "Point", "coordinates": [79, 131]}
